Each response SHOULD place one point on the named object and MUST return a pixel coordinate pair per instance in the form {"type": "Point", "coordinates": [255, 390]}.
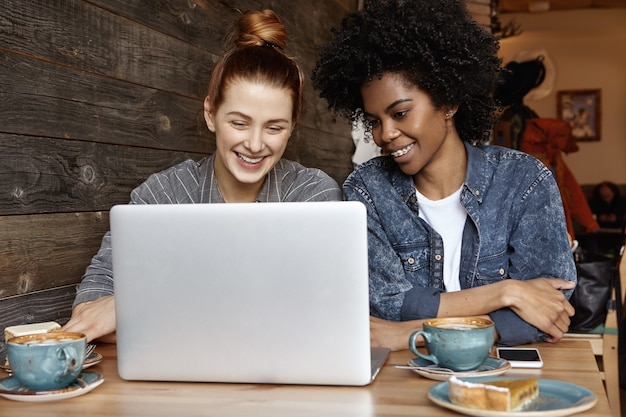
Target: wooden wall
{"type": "Point", "coordinates": [95, 95]}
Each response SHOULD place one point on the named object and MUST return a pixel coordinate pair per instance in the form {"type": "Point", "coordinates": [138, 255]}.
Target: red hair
{"type": "Point", "coordinates": [258, 56]}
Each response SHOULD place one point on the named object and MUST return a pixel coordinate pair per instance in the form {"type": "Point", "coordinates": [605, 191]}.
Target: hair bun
{"type": "Point", "coordinates": [260, 28]}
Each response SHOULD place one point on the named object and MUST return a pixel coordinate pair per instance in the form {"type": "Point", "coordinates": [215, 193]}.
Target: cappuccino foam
{"type": "Point", "coordinates": [457, 326]}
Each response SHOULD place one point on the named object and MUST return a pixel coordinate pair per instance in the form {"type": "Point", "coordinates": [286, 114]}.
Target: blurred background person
{"type": "Point", "coordinates": [608, 205]}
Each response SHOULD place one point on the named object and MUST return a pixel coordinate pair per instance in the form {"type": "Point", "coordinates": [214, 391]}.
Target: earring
{"type": "Point", "coordinates": [449, 114]}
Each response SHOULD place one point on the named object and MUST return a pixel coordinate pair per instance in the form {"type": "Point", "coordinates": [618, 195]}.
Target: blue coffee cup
{"type": "Point", "coordinates": [456, 343]}
{"type": "Point", "coordinates": [48, 361]}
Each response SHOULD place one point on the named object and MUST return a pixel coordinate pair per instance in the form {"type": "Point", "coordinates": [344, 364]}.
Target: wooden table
{"type": "Point", "coordinates": [396, 392]}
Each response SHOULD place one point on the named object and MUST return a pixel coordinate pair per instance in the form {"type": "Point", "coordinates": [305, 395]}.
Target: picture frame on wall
{"type": "Point", "coordinates": [581, 109]}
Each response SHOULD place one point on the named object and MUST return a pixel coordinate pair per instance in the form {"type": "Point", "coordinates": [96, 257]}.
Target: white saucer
{"type": "Point", "coordinates": [491, 367]}
{"type": "Point", "coordinates": [11, 389]}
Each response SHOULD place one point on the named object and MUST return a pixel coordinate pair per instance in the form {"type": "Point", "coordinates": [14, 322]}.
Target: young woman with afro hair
{"type": "Point", "coordinates": [456, 227]}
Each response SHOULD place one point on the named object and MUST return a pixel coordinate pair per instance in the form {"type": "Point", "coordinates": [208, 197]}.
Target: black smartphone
{"type": "Point", "coordinates": [521, 357]}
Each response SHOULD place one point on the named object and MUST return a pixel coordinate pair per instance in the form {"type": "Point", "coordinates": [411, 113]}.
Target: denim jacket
{"type": "Point", "coordinates": [515, 229]}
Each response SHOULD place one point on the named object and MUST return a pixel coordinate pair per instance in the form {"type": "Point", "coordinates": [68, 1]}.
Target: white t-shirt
{"type": "Point", "coordinates": [447, 216]}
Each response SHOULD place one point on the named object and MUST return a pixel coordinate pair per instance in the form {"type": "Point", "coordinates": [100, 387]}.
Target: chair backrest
{"type": "Point", "coordinates": [621, 293]}
{"type": "Point", "coordinates": [622, 271]}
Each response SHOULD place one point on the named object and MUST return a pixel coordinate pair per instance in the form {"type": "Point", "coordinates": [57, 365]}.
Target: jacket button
{"type": "Point", "coordinates": [501, 271]}
{"type": "Point", "coordinates": [437, 257]}
{"type": "Point", "coordinates": [411, 261]}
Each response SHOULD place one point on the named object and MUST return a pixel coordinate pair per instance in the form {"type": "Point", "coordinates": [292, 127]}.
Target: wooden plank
{"type": "Point", "coordinates": [310, 149]}
{"type": "Point", "coordinates": [82, 36]}
{"type": "Point", "coordinates": [49, 305]}
{"type": "Point", "coordinates": [203, 24]}
{"type": "Point", "coordinates": [43, 99]}
{"type": "Point", "coordinates": [44, 251]}
{"type": "Point", "coordinates": [42, 175]}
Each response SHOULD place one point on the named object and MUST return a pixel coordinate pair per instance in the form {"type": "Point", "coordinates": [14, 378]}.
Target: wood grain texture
{"type": "Point", "coordinates": [77, 34]}
{"type": "Point", "coordinates": [63, 103]}
{"type": "Point", "coordinates": [394, 393]}
{"type": "Point", "coordinates": [47, 251]}
{"type": "Point", "coordinates": [44, 175]}
{"type": "Point", "coordinates": [202, 24]}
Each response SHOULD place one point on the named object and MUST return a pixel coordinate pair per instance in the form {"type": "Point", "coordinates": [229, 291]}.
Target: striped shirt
{"type": "Point", "coordinates": [194, 182]}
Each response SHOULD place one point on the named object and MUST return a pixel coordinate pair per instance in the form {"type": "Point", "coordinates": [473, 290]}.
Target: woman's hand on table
{"type": "Point", "coordinates": [96, 319]}
{"type": "Point", "coordinates": [541, 303]}
{"type": "Point", "coordinates": [392, 334]}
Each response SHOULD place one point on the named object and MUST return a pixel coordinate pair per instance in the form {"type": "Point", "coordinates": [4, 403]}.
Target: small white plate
{"type": "Point", "coordinates": [91, 360]}
{"type": "Point", "coordinates": [556, 399]}
{"type": "Point", "coordinates": [491, 367]}
{"type": "Point", "coordinates": [11, 389]}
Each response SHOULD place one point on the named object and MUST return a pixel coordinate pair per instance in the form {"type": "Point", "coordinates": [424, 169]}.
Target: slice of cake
{"type": "Point", "coordinates": [24, 329]}
{"type": "Point", "coordinates": [501, 395]}
{"type": "Point", "coordinates": [34, 328]}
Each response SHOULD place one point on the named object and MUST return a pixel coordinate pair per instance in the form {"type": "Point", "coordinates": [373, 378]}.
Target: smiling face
{"type": "Point", "coordinates": [405, 123]}
{"type": "Point", "coordinates": [252, 127]}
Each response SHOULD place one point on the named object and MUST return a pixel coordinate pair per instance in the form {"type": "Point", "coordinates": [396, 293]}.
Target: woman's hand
{"type": "Point", "coordinates": [392, 334]}
{"type": "Point", "coordinates": [96, 319]}
{"type": "Point", "coordinates": [541, 303]}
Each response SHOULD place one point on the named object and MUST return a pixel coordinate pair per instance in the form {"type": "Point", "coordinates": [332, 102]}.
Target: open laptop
{"type": "Point", "coordinates": [249, 293]}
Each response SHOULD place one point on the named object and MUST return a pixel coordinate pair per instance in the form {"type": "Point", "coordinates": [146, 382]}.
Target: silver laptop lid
{"type": "Point", "coordinates": [258, 293]}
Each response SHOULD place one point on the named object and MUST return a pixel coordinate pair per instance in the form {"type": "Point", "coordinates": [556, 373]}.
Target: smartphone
{"type": "Point", "coordinates": [521, 357]}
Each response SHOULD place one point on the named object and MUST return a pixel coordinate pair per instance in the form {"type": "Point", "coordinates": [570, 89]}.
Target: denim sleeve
{"type": "Point", "coordinates": [541, 235]}
{"type": "Point", "coordinates": [392, 296]}
{"type": "Point", "coordinates": [420, 303]}
{"type": "Point", "coordinates": [512, 330]}
{"type": "Point", "coordinates": [539, 248]}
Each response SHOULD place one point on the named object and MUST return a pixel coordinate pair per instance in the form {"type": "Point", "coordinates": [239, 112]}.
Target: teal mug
{"type": "Point", "coordinates": [47, 361]}
{"type": "Point", "coordinates": [456, 343]}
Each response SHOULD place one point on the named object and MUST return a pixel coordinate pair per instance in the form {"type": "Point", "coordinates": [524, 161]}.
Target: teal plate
{"type": "Point", "coordinates": [491, 367]}
{"type": "Point", "coordinates": [11, 389]}
{"type": "Point", "coordinates": [556, 399]}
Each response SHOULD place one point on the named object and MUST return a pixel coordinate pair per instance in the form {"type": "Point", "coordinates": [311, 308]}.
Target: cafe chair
{"type": "Point", "coordinates": [604, 338]}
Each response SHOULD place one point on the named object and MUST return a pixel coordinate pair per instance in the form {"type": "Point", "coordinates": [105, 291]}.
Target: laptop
{"type": "Point", "coordinates": [243, 293]}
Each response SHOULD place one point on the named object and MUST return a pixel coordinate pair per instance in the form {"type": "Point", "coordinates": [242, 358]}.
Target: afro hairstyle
{"type": "Point", "coordinates": [434, 44]}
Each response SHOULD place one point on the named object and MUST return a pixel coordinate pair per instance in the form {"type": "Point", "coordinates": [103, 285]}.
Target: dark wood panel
{"type": "Point", "coordinates": [86, 37]}
{"type": "Point", "coordinates": [43, 99]}
{"type": "Point", "coordinates": [49, 305]}
{"type": "Point", "coordinates": [43, 175]}
{"type": "Point", "coordinates": [44, 251]}
{"type": "Point", "coordinates": [329, 152]}
{"type": "Point", "coordinates": [203, 24]}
